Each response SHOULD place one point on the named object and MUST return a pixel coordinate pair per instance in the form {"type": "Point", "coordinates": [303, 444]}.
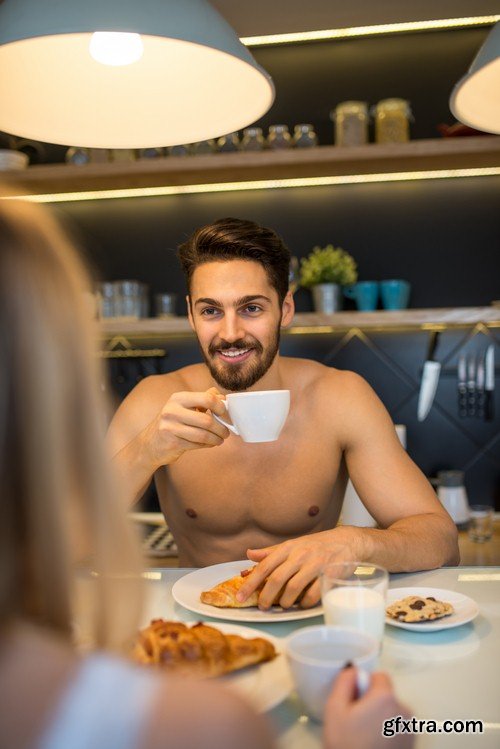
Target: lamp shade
{"type": "Point", "coordinates": [189, 77]}
{"type": "Point", "coordinates": [475, 100]}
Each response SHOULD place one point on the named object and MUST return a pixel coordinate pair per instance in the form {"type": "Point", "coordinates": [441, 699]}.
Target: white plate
{"type": "Point", "coordinates": [186, 592]}
{"type": "Point", "coordinates": [466, 609]}
{"type": "Point", "coordinates": [264, 685]}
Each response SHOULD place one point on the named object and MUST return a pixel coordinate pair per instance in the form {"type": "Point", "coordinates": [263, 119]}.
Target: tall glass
{"type": "Point", "coordinates": [354, 595]}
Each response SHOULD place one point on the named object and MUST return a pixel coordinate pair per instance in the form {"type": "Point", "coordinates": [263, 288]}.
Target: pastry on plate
{"type": "Point", "coordinates": [414, 609]}
{"type": "Point", "coordinates": [223, 595]}
{"type": "Point", "coordinates": [199, 650]}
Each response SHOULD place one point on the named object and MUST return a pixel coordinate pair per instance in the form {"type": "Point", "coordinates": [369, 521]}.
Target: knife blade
{"type": "Point", "coordinates": [471, 385]}
{"type": "Point", "coordinates": [430, 379]}
{"type": "Point", "coordinates": [462, 387]}
{"type": "Point", "coordinates": [480, 396]}
{"type": "Point", "coordinates": [489, 383]}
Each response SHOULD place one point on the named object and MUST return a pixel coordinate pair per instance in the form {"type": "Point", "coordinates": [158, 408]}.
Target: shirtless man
{"type": "Point", "coordinates": [277, 503]}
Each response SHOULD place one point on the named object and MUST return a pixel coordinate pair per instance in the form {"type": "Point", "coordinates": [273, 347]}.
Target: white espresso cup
{"type": "Point", "coordinates": [257, 416]}
{"type": "Point", "coordinates": [318, 654]}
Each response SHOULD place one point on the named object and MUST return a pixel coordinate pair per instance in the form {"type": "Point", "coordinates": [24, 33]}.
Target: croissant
{"type": "Point", "coordinates": [199, 650]}
{"type": "Point", "coordinates": [223, 595]}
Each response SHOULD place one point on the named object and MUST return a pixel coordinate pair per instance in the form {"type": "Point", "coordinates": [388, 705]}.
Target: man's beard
{"type": "Point", "coordinates": [236, 377]}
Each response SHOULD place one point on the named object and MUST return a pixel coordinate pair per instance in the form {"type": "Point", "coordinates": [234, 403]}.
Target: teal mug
{"type": "Point", "coordinates": [365, 294]}
{"type": "Point", "coordinates": [395, 293]}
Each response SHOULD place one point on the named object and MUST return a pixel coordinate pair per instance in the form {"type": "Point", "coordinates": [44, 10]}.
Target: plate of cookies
{"type": "Point", "coordinates": [428, 609]}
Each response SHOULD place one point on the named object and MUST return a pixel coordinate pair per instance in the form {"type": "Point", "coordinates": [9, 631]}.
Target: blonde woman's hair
{"type": "Point", "coordinates": [56, 493]}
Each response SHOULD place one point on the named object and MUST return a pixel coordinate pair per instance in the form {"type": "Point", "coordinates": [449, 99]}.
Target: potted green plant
{"type": "Point", "coordinates": [324, 271]}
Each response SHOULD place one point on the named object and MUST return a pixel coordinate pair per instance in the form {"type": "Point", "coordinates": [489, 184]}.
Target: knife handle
{"type": "Point", "coordinates": [489, 406]}
{"type": "Point", "coordinates": [481, 404]}
{"type": "Point", "coordinates": [462, 401]}
{"type": "Point", "coordinates": [471, 400]}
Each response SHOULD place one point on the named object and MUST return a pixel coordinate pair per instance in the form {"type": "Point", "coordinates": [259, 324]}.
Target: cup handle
{"type": "Point", "coordinates": [348, 291]}
{"type": "Point", "coordinates": [363, 679]}
{"type": "Point", "coordinates": [224, 423]}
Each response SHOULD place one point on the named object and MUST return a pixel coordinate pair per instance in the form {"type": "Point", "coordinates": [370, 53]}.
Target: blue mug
{"type": "Point", "coordinates": [395, 293]}
{"type": "Point", "coordinates": [365, 294]}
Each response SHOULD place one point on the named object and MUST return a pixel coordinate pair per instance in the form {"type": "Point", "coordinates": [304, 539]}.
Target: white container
{"type": "Point", "coordinates": [453, 497]}
{"type": "Point", "coordinates": [353, 510]}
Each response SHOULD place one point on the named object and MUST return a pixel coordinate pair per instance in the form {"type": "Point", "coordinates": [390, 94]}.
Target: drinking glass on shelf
{"type": "Point", "coordinates": [128, 299]}
{"type": "Point", "coordinates": [165, 304]}
{"type": "Point", "coordinates": [354, 595]}
{"type": "Point", "coordinates": [106, 295]}
{"type": "Point", "coordinates": [294, 274]}
{"type": "Point", "coordinates": [480, 523]}
{"type": "Point", "coordinates": [144, 300]}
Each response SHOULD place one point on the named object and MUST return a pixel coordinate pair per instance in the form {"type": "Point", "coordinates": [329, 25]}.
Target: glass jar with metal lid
{"type": "Point", "coordinates": [304, 136]}
{"type": "Point", "coordinates": [279, 137]}
{"type": "Point", "coordinates": [228, 143]}
{"type": "Point", "coordinates": [252, 140]}
{"type": "Point", "coordinates": [392, 121]}
{"type": "Point", "coordinates": [351, 123]}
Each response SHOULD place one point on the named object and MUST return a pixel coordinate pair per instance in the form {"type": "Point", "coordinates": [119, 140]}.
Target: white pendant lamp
{"type": "Point", "coordinates": [475, 100]}
{"type": "Point", "coordinates": [125, 73]}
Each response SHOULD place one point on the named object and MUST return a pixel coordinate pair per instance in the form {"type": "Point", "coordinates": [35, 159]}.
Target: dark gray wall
{"type": "Point", "coordinates": [441, 235]}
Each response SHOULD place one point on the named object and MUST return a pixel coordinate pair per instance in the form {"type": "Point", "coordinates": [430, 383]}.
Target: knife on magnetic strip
{"type": "Point", "coordinates": [489, 383]}
{"type": "Point", "coordinates": [430, 378]}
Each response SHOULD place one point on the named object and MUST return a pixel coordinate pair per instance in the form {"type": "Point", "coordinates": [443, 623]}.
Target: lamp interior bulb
{"type": "Point", "coordinates": [116, 48]}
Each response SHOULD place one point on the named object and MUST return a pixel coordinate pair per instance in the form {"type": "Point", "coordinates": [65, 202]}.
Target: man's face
{"type": "Point", "coordinates": [236, 315]}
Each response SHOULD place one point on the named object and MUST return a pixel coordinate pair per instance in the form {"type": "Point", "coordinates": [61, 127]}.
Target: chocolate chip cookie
{"type": "Point", "coordinates": [418, 609]}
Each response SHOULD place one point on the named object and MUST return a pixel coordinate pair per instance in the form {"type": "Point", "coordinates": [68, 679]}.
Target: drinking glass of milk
{"type": "Point", "coordinates": [353, 595]}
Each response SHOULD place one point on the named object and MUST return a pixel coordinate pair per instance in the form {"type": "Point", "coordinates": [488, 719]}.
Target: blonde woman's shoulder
{"type": "Point", "coordinates": [187, 714]}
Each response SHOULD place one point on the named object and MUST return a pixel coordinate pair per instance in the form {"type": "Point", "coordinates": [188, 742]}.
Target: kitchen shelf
{"type": "Point", "coordinates": [312, 322]}
{"type": "Point", "coordinates": [373, 158]}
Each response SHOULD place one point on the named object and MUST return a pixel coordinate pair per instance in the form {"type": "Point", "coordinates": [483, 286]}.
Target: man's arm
{"type": "Point", "coordinates": [154, 426]}
{"type": "Point", "coordinates": [415, 531]}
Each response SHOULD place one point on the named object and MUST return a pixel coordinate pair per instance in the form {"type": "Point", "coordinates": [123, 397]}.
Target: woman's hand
{"type": "Point", "coordinates": [352, 723]}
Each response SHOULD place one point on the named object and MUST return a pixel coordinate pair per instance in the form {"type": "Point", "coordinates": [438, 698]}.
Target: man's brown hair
{"type": "Point", "coordinates": [236, 239]}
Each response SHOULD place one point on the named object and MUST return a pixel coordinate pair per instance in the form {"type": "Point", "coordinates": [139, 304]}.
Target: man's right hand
{"type": "Point", "coordinates": [186, 423]}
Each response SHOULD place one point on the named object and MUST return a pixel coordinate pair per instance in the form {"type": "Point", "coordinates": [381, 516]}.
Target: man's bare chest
{"type": "Point", "coordinates": [285, 488]}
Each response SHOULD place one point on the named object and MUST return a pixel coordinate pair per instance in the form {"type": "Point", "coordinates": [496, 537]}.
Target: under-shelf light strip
{"type": "Point", "coordinates": [375, 30]}
{"type": "Point", "coordinates": [264, 184]}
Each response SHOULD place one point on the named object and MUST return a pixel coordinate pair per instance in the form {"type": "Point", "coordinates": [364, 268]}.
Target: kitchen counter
{"type": "Point", "coordinates": [447, 675]}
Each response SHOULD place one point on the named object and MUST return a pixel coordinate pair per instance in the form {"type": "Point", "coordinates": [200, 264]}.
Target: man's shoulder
{"type": "Point", "coordinates": [313, 374]}
{"type": "Point", "coordinates": [188, 378]}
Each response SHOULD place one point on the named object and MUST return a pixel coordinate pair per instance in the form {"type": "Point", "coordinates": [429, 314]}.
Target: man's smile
{"type": "Point", "coordinates": [234, 355]}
